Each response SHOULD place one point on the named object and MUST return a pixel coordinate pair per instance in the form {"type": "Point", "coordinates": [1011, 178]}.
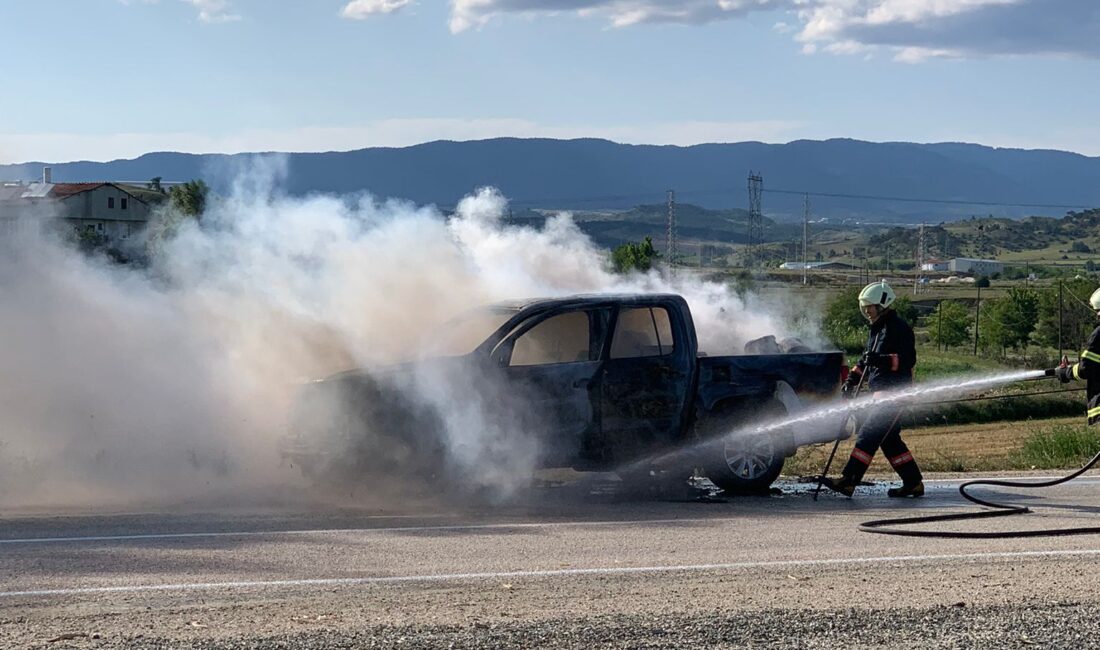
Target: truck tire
{"type": "Point", "coordinates": [744, 464]}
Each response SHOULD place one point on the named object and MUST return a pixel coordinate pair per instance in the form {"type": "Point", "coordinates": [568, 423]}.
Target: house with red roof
{"type": "Point", "coordinates": [111, 212]}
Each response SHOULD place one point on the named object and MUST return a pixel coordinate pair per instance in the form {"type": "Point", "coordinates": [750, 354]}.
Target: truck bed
{"type": "Point", "coordinates": [816, 374]}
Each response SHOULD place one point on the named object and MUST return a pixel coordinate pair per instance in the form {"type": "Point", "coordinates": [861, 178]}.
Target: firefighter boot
{"type": "Point", "coordinates": [845, 485]}
{"type": "Point", "coordinates": [915, 490]}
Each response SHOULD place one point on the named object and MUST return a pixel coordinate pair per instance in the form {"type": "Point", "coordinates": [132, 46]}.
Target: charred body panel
{"type": "Point", "coordinates": [591, 382]}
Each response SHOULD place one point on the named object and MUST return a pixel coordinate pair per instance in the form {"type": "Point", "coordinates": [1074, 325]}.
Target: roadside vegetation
{"type": "Point", "coordinates": [1023, 445]}
{"type": "Point", "coordinates": [1023, 426]}
{"type": "Point", "coordinates": [1059, 446]}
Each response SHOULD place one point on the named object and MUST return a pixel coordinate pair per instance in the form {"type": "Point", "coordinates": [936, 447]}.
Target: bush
{"type": "Point", "coordinates": [633, 256]}
{"type": "Point", "coordinates": [843, 324]}
{"type": "Point", "coordinates": [982, 281]}
{"type": "Point", "coordinates": [995, 410]}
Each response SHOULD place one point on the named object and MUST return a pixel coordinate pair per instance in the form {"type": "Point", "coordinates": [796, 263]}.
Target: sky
{"type": "Point", "coordinates": [108, 79]}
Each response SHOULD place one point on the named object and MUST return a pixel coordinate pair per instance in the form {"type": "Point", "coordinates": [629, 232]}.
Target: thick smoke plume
{"type": "Point", "coordinates": [178, 379]}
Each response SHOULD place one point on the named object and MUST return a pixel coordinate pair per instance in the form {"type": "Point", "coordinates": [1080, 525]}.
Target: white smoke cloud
{"type": "Point", "coordinates": [363, 9]}
{"type": "Point", "coordinates": [126, 382]}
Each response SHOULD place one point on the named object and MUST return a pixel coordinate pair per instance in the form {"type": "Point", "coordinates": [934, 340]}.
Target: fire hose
{"type": "Point", "coordinates": [899, 526]}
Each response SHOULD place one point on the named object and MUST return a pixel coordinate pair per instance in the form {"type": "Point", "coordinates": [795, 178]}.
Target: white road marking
{"type": "Point", "coordinates": [337, 531]}
{"type": "Point", "coordinates": [549, 573]}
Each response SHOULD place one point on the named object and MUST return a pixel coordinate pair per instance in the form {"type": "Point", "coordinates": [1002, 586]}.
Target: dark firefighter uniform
{"type": "Point", "coordinates": [1087, 369]}
{"type": "Point", "coordinates": [888, 362]}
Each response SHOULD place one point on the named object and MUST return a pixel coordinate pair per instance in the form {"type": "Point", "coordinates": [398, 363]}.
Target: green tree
{"type": "Point", "coordinates": [1076, 318]}
{"type": "Point", "coordinates": [88, 239]}
{"type": "Point", "coordinates": [982, 282]}
{"type": "Point", "coordinates": [634, 256]}
{"type": "Point", "coordinates": [190, 198]}
{"type": "Point", "coordinates": [843, 323]}
{"type": "Point", "coordinates": [949, 324]}
{"type": "Point", "coordinates": [1008, 322]}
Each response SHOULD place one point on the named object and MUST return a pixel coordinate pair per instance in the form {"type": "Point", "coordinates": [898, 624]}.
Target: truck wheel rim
{"type": "Point", "coordinates": [749, 457]}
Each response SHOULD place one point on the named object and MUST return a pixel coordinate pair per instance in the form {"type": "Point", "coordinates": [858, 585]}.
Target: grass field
{"type": "Point", "coordinates": [1022, 445]}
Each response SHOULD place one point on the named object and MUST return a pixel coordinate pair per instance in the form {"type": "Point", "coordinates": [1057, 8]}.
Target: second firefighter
{"type": "Point", "coordinates": [887, 363]}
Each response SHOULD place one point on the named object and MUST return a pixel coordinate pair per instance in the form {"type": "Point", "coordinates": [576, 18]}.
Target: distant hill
{"type": "Point", "coordinates": [589, 174]}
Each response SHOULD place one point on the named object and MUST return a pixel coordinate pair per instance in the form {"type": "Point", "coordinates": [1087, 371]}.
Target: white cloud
{"type": "Point", "coordinates": [466, 14]}
{"type": "Point", "coordinates": [214, 11]}
{"type": "Point", "coordinates": [363, 9]}
{"type": "Point", "coordinates": [60, 147]}
{"type": "Point", "coordinates": [910, 30]}
{"type": "Point", "coordinates": [210, 11]}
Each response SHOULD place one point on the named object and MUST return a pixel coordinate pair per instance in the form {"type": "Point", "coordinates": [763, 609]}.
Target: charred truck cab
{"type": "Point", "coordinates": [598, 383]}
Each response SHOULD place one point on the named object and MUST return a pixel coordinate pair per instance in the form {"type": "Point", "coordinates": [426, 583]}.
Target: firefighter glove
{"type": "Point", "coordinates": [848, 390]}
{"type": "Point", "coordinates": [1064, 374]}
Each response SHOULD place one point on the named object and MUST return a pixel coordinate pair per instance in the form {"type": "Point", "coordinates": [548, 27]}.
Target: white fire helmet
{"type": "Point", "coordinates": [1094, 300]}
{"type": "Point", "coordinates": [878, 293]}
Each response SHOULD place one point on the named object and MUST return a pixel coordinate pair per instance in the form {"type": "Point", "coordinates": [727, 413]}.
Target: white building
{"type": "Point", "coordinates": [936, 266]}
{"type": "Point", "coordinates": [976, 267]}
{"type": "Point", "coordinates": [112, 211]}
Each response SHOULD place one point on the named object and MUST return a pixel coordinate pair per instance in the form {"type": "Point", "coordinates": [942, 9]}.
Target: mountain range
{"type": "Point", "coordinates": [905, 181]}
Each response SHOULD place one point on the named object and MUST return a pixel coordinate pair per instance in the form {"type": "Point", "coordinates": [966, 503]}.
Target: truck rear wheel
{"type": "Point", "coordinates": [739, 460]}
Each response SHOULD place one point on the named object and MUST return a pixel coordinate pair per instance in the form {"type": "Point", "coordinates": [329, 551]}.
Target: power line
{"type": "Point", "coordinates": [910, 199]}
{"type": "Point", "coordinates": [656, 196]}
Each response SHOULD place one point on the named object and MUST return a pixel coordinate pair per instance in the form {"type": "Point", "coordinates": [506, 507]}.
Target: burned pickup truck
{"type": "Point", "coordinates": [595, 382]}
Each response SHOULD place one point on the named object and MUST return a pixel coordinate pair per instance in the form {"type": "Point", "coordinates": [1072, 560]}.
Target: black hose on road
{"type": "Point", "coordinates": [890, 526]}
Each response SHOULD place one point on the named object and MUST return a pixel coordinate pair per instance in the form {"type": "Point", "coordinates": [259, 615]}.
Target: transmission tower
{"type": "Point", "coordinates": [805, 238]}
{"type": "Point", "coordinates": [756, 227]}
{"type": "Point", "coordinates": [670, 248]}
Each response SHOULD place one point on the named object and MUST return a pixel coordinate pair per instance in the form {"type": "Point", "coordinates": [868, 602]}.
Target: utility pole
{"type": "Point", "coordinates": [920, 261]}
{"type": "Point", "coordinates": [939, 326]}
{"type": "Point", "coordinates": [756, 228]}
{"type": "Point", "coordinates": [1059, 321]}
{"type": "Point", "coordinates": [977, 316]}
{"type": "Point", "coordinates": [670, 248]}
{"type": "Point", "coordinates": [805, 238]}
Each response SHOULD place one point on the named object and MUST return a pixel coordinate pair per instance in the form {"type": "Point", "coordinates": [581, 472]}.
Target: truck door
{"type": "Point", "coordinates": [646, 382]}
{"type": "Point", "coordinates": [551, 365]}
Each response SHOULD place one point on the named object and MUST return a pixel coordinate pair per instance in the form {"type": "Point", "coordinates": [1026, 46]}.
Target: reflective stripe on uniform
{"type": "Point", "coordinates": [1094, 412]}
{"type": "Point", "coordinates": [1077, 371]}
{"type": "Point", "coordinates": [865, 458]}
{"type": "Point", "coordinates": [901, 459]}
{"type": "Point", "coordinates": [1091, 356]}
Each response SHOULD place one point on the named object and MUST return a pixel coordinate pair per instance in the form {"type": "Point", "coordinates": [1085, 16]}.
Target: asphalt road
{"type": "Point", "coordinates": [564, 568]}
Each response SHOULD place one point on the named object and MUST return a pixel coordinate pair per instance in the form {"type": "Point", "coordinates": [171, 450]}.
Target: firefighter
{"type": "Point", "coordinates": [887, 363]}
{"type": "Point", "coordinates": [1087, 367]}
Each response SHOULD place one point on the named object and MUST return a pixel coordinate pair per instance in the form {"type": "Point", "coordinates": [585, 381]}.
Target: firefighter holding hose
{"type": "Point", "coordinates": [887, 363]}
{"type": "Point", "coordinates": [1087, 368]}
